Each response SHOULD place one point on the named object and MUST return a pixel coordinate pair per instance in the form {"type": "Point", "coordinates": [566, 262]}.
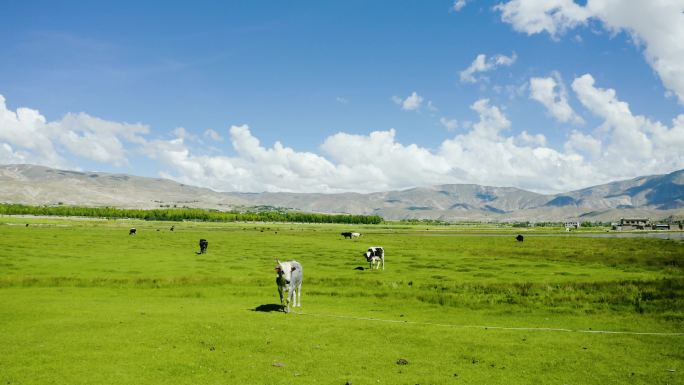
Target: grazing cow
{"type": "Point", "coordinates": [350, 235]}
{"type": "Point", "coordinates": [203, 244]}
{"type": "Point", "coordinates": [289, 279]}
{"type": "Point", "coordinates": [519, 238]}
{"type": "Point", "coordinates": [375, 255]}
{"type": "Point", "coordinates": [172, 227]}
{"type": "Point", "coordinates": [132, 231]}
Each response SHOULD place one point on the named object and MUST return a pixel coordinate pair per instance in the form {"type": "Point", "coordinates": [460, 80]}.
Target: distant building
{"type": "Point", "coordinates": [572, 225]}
{"type": "Point", "coordinates": [633, 224]}
{"type": "Point", "coordinates": [661, 226]}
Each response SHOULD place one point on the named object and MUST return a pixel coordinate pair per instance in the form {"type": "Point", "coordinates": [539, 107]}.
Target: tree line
{"type": "Point", "coordinates": [190, 214]}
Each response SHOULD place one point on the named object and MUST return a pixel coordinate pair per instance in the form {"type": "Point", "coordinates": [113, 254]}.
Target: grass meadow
{"type": "Point", "coordinates": [82, 302]}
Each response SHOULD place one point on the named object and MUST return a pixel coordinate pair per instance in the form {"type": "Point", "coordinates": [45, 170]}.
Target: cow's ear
{"type": "Point", "coordinates": [277, 269]}
{"type": "Point", "coordinates": [293, 268]}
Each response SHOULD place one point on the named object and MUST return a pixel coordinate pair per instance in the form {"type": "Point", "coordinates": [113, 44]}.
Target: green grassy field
{"type": "Point", "coordinates": [81, 302]}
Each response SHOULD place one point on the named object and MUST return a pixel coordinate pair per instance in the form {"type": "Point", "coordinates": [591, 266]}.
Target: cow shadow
{"type": "Point", "coordinates": [269, 307]}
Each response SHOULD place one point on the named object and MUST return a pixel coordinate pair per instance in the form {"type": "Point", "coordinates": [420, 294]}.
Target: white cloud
{"type": "Point", "coordinates": [449, 124]}
{"type": "Point", "coordinates": [524, 138]}
{"type": "Point", "coordinates": [97, 139]}
{"type": "Point", "coordinates": [411, 103]}
{"type": "Point", "coordinates": [535, 16]}
{"type": "Point", "coordinates": [9, 156]}
{"type": "Point", "coordinates": [458, 5]}
{"type": "Point", "coordinates": [213, 135]}
{"type": "Point", "coordinates": [492, 120]}
{"type": "Point", "coordinates": [342, 100]}
{"type": "Point", "coordinates": [655, 24]}
{"type": "Point", "coordinates": [30, 138]}
{"type": "Point", "coordinates": [26, 136]}
{"type": "Point", "coordinates": [630, 144]}
{"type": "Point", "coordinates": [585, 145]}
{"type": "Point", "coordinates": [544, 91]}
{"type": "Point", "coordinates": [485, 152]}
{"type": "Point", "coordinates": [482, 64]}
{"type": "Point", "coordinates": [624, 146]}
{"type": "Point", "coordinates": [491, 158]}
{"type": "Point", "coordinates": [378, 162]}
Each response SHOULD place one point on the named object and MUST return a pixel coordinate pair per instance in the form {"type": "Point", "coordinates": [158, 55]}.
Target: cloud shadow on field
{"type": "Point", "coordinates": [267, 308]}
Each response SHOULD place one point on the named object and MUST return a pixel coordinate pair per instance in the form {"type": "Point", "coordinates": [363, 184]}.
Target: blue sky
{"type": "Point", "coordinates": [346, 96]}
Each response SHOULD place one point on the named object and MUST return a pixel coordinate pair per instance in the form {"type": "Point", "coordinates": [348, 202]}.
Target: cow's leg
{"type": "Point", "coordinates": [299, 295]}
{"type": "Point", "coordinates": [383, 262]}
{"type": "Point", "coordinates": [290, 295]}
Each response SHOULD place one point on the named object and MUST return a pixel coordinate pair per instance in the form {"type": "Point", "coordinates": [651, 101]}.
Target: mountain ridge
{"type": "Point", "coordinates": [656, 196]}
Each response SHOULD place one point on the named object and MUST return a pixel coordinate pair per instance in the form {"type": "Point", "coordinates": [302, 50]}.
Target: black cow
{"type": "Point", "coordinates": [519, 238]}
{"type": "Point", "coordinates": [346, 234]}
{"type": "Point", "coordinates": [203, 244]}
{"type": "Point", "coordinates": [172, 227]}
{"type": "Point", "coordinates": [132, 231]}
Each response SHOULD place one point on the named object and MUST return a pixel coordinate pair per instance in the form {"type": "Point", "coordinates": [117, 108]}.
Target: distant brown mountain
{"type": "Point", "coordinates": [654, 197]}
{"type": "Point", "coordinates": [38, 185]}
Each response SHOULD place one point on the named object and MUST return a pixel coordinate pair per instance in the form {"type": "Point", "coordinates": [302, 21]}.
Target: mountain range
{"type": "Point", "coordinates": [655, 197]}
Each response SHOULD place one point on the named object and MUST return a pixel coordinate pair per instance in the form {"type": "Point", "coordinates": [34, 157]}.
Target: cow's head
{"type": "Point", "coordinates": [284, 271]}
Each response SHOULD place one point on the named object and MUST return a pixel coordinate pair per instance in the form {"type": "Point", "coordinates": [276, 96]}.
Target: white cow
{"type": "Point", "coordinates": [355, 235]}
{"type": "Point", "coordinates": [375, 255]}
{"type": "Point", "coordinates": [289, 279]}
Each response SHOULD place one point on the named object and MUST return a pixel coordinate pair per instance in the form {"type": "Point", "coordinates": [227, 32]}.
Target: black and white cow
{"type": "Point", "coordinates": [519, 238]}
{"type": "Point", "coordinates": [375, 255]}
{"type": "Point", "coordinates": [132, 231]}
{"type": "Point", "coordinates": [289, 280]}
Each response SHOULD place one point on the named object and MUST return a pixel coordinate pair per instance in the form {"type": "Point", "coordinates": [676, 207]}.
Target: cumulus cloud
{"type": "Point", "coordinates": [524, 138]}
{"type": "Point", "coordinates": [486, 152]}
{"type": "Point", "coordinates": [378, 161]}
{"type": "Point", "coordinates": [482, 64]}
{"type": "Point", "coordinates": [449, 124]}
{"type": "Point", "coordinates": [535, 16]}
{"type": "Point", "coordinates": [489, 155]}
{"type": "Point", "coordinates": [656, 25]}
{"type": "Point", "coordinates": [583, 144]}
{"type": "Point", "coordinates": [551, 93]}
{"type": "Point", "coordinates": [411, 103]}
{"type": "Point", "coordinates": [213, 135]}
{"type": "Point", "coordinates": [28, 136]}
{"type": "Point", "coordinates": [628, 142]}
{"type": "Point", "coordinates": [9, 156]}
{"type": "Point", "coordinates": [458, 5]}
